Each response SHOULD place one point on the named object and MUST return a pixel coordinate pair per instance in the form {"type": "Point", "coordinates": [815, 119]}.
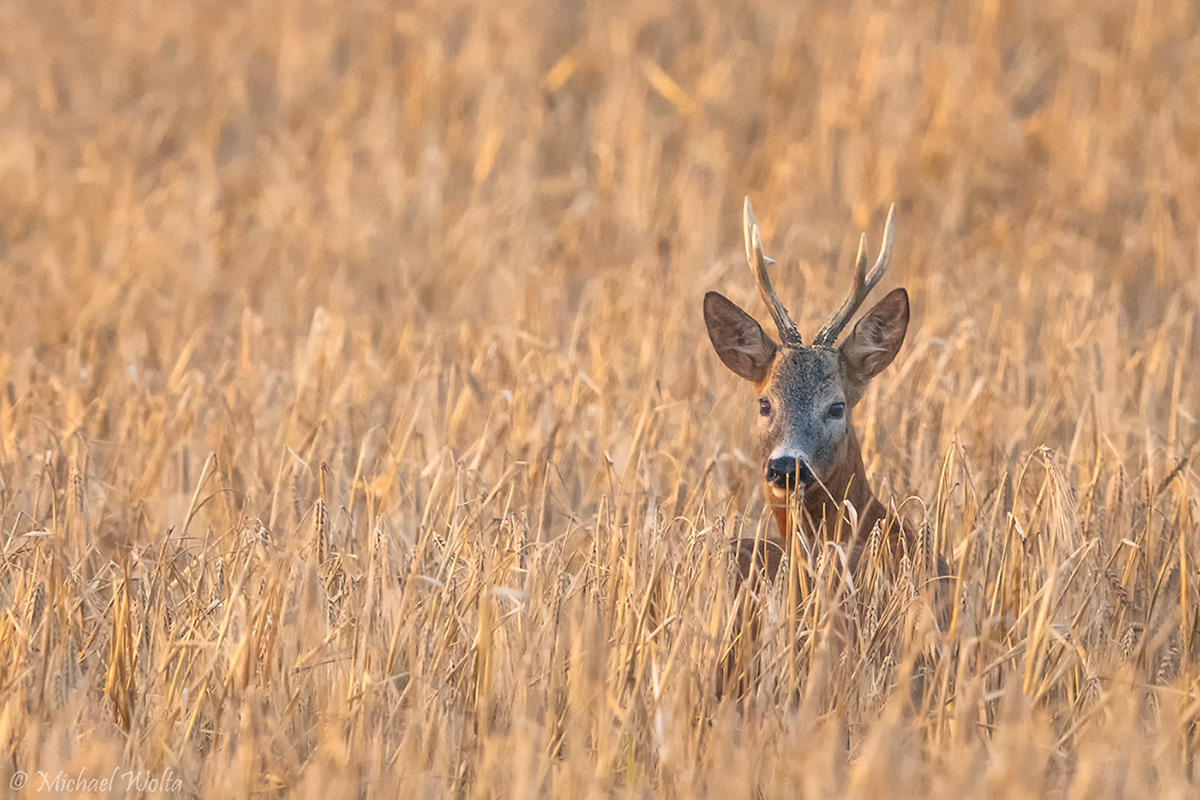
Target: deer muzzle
{"type": "Point", "coordinates": [788, 473]}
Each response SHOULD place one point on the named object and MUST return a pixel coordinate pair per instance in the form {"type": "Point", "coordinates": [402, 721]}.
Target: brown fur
{"type": "Point", "coordinates": [816, 482]}
{"type": "Point", "coordinates": [806, 398]}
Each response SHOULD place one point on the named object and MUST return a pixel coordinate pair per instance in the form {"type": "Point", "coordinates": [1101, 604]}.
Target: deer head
{"type": "Point", "coordinates": [807, 393]}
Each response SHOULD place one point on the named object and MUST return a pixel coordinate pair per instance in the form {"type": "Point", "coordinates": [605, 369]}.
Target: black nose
{"type": "Point", "coordinates": [787, 472]}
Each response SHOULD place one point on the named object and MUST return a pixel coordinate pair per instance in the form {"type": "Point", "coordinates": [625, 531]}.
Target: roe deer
{"type": "Point", "coordinates": [806, 397]}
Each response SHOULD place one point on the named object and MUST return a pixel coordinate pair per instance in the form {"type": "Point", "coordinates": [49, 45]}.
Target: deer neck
{"type": "Point", "coordinates": [823, 514]}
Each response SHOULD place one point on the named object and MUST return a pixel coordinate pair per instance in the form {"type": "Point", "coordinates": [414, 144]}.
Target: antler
{"type": "Point", "coordinates": [864, 282]}
{"type": "Point", "coordinates": [788, 332]}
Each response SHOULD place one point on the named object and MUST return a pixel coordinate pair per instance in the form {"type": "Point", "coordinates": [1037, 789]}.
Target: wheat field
{"type": "Point", "coordinates": [360, 435]}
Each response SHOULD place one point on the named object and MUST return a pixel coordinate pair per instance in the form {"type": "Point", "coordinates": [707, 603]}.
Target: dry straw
{"type": "Point", "coordinates": [359, 434]}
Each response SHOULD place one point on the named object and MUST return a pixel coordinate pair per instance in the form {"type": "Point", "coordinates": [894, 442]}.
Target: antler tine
{"type": "Point", "coordinates": [788, 332]}
{"type": "Point", "coordinates": [864, 282]}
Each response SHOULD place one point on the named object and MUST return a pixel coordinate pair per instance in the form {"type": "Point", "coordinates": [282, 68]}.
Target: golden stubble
{"type": "Point", "coordinates": [359, 433]}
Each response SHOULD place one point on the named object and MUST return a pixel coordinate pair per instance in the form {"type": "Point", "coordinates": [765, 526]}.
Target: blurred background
{"type": "Point", "coordinates": [547, 189]}
{"type": "Point", "coordinates": [455, 251]}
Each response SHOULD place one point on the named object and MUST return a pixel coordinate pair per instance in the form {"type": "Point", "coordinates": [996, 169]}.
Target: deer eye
{"type": "Point", "coordinates": [764, 406]}
{"type": "Point", "coordinates": [837, 410]}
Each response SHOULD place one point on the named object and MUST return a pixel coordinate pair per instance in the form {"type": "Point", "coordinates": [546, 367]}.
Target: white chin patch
{"type": "Point", "coordinates": [777, 493]}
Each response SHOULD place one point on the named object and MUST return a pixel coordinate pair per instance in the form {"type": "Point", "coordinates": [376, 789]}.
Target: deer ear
{"type": "Point", "coordinates": [738, 339]}
{"type": "Point", "coordinates": [876, 338]}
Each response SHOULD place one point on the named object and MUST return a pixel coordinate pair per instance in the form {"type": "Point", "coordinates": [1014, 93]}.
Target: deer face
{"type": "Point", "coordinates": [806, 393]}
